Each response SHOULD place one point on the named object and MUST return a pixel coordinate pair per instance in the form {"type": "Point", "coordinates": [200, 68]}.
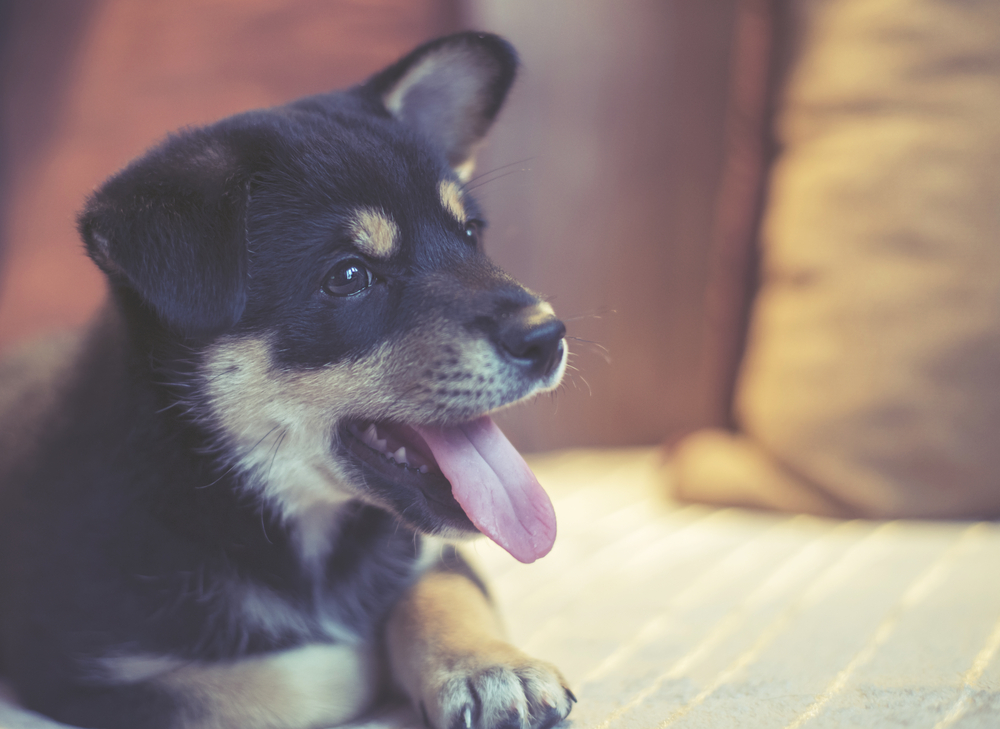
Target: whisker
{"type": "Point", "coordinates": [262, 527]}
{"type": "Point", "coordinates": [233, 465]}
{"type": "Point", "coordinates": [480, 176]}
{"type": "Point", "coordinates": [575, 375]}
{"type": "Point", "coordinates": [598, 314]}
{"type": "Point", "coordinates": [603, 351]}
{"type": "Point", "coordinates": [591, 342]}
{"type": "Point", "coordinates": [470, 187]}
{"type": "Point", "coordinates": [176, 404]}
{"type": "Point", "coordinates": [274, 455]}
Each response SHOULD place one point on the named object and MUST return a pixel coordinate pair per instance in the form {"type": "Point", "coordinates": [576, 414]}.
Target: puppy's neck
{"type": "Point", "coordinates": [314, 533]}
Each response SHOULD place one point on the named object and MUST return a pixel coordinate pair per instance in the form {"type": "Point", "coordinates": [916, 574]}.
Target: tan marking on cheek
{"type": "Point", "coordinates": [451, 199]}
{"type": "Point", "coordinates": [375, 233]}
{"type": "Point", "coordinates": [279, 424]}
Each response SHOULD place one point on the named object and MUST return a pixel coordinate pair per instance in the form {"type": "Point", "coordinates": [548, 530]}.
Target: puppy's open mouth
{"type": "Point", "coordinates": [399, 446]}
{"type": "Point", "coordinates": [465, 473]}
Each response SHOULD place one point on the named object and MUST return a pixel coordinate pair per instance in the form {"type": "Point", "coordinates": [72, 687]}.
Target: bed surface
{"type": "Point", "coordinates": [669, 615]}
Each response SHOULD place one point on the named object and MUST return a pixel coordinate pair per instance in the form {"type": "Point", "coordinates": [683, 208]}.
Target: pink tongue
{"type": "Point", "coordinates": [494, 486]}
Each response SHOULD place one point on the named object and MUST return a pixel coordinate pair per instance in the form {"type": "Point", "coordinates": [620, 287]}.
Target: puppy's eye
{"type": "Point", "coordinates": [347, 278]}
{"type": "Point", "coordinates": [474, 231]}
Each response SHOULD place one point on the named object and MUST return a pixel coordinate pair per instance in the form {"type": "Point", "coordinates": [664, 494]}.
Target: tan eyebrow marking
{"type": "Point", "coordinates": [451, 198]}
{"type": "Point", "coordinates": [374, 232]}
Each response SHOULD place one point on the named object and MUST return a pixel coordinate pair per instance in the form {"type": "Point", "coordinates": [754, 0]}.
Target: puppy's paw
{"type": "Point", "coordinates": [497, 687]}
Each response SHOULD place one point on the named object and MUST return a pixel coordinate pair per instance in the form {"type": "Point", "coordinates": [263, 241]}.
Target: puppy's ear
{"type": "Point", "coordinates": [450, 89]}
{"type": "Point", "coordinates": [171, 227]}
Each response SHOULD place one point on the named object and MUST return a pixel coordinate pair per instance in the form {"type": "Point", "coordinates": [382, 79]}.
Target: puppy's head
{"type": "Point", "coordinates": [326, 260]}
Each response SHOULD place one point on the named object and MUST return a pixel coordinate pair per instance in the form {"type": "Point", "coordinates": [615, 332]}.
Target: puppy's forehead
{"type": "Point", "coordinates": [395, 169]}
{"type": "Point", "coordinates": [383, 187]}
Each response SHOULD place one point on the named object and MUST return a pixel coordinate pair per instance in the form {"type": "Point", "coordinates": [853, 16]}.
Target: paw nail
{"type": "Point", "coordinates": [571, 696]}
{"type": "Point", "coordinates": [468, 717]}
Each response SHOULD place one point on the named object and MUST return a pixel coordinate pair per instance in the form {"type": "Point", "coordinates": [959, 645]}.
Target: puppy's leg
{"type": "Point", "coordinates": [447, 651]}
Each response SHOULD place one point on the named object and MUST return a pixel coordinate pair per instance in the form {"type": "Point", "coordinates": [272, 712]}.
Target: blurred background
{"type": "Point", "coordinates": [599, 178]}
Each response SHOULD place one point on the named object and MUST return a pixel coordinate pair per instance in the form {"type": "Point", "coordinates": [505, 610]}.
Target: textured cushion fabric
{"type": "Point", "coordinates": [871, 379]}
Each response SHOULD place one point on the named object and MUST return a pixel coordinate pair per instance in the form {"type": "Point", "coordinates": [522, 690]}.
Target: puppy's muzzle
{"type": "Point", "coordinates": [533, 338]}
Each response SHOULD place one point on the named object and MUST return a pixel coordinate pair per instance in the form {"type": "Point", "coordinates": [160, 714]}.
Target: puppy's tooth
{"type": "Point", "coordinates": [381, 445]}
{"type": "Point", "coordinates": [371, 434]}
{"type": "Point", "coordinates": [400, 455]}
{"type": "Point", "coordinates": [423, 469]}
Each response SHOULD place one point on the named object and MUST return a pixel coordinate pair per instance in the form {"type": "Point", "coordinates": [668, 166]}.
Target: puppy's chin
{"type": "Point", "coordinates": [395, 468]}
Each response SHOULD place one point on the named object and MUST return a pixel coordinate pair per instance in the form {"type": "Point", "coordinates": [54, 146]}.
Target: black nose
{"type": "Point", "coordinates": [535, 338]}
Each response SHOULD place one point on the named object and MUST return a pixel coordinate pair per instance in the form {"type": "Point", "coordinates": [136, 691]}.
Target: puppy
{"type": "Point", "coordinates": [231, 510]}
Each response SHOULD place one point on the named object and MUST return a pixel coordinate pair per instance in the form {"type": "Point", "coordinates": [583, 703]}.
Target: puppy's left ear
{"type": "Point", "coordinates": [171, 228]}
{"type": "Point", "coordinates": [450, 90]}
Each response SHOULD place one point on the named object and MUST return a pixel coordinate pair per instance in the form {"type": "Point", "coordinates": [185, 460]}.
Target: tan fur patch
{"type": "Point", "coordinates": [465, 169]}
{"type": "Point", "coordinates": [303, 688]}
{"type": "Point", "coordinates": [375, 233]}
{"type": "Point", "coordinates": [451, 199]}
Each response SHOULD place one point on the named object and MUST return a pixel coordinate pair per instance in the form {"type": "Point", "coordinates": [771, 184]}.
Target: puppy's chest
{"type": "Point", "coordinates": [331, 579]}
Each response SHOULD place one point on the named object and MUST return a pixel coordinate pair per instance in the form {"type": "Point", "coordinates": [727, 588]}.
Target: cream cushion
{"type": "Point", "coordinates": [871, 380]}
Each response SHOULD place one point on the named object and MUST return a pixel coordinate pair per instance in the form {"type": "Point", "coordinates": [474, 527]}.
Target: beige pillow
{"type": "Point", "coordinates": [871, 380]}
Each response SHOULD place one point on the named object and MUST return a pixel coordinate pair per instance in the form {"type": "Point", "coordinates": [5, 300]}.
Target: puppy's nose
{"type": "Point", "coordinates": [534, 337]}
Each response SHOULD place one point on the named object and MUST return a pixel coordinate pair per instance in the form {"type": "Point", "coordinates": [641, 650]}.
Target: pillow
{"type": "Point", "coordinates": [870, 384]}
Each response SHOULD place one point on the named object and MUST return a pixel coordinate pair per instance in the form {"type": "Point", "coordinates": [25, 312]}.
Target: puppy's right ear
{"type": "Point", "coordinates": [171, 227]}
{"type": "Point", "coordinates": [450, 90]}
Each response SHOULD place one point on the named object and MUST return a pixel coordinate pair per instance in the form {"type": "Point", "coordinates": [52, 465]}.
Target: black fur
{"type": "Point", "coordinates": [124, 524]}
